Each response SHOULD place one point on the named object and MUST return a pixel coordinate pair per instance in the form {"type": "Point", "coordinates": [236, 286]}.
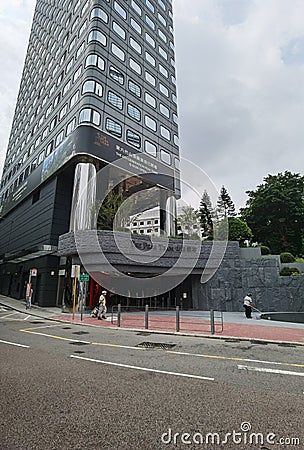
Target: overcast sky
{"type": "Point", "coordinates": [240, 74]}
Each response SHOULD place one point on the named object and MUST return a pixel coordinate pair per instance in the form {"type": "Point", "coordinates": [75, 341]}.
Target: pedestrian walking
{"type": "Point", "coordinates": [102, 306]}
{"type": "Point", "coordinates": [29, 296]}
{"type": "Point", "coordinates": [248, 305]}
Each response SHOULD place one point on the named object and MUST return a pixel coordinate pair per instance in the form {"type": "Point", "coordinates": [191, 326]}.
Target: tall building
{"type": "Point", "coordinates": [98, 85]}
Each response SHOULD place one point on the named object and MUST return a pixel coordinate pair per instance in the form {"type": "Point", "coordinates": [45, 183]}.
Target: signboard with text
{"type": "Point", "coordinates": [85, 142]}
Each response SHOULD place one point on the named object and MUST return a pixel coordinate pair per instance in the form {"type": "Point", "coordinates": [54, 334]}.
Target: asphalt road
{"type": "Point", "coordinates": [74, 387]}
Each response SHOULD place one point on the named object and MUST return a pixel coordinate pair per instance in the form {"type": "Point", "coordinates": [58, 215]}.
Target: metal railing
{"type": "Point", "coordinates": [167, 319]}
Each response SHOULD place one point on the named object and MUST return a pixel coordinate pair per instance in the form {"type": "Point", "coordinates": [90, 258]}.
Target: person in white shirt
{"type": "Point", "coordinates": [248, 305]}
{"type": "Point", "coordinates": [102, 306]}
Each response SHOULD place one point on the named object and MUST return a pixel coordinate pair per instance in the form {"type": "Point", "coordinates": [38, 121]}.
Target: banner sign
{"type": "Point", "coordinates": [85, 144]}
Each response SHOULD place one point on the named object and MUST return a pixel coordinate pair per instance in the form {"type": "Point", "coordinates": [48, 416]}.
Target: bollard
{"type": "Point", "coordinates": [147, 317]}
{"type": "Point", "coordinates": [177, 318]}
{"type": "Point", "coordinates": [212, 321]}
{"type": "Point", "coordinates": [118, 315]}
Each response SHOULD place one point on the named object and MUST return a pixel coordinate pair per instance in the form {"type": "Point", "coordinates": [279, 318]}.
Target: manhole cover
{"type": "Point", "coordinates": [80, 332]}
{"type": "Point", "coordinates": [66, 328]}
{"type": "Point", "coordinates": [79, 343]}
{"type": "Point", "coordinates": [160, 345]}
{"type": "Point", "coordinates": [79, 352]}
{"type": "Point", "coordinates": [37, 321]}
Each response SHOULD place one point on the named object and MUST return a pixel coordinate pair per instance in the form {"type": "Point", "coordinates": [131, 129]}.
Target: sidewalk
{"type": "Point", "coordinates": [193, 323]}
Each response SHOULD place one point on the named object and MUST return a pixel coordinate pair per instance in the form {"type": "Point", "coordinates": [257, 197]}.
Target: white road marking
{"type": "Point", "coordinates": [264, 369]}
{"type": "Point", "coordinates": [118, 346]}
{"type": "Point", "coordinates": [14, 343]}
{"type": "Point", "coordinates": [224, 358]}
{"type": "Point", "coordinates": [145, 369]}
{"type": "Point", "coordinates": [227, 358]}
{"type": "Point", "coordinates": [9, 315]}
{"type": "Point", "coordinates": [26, 317]}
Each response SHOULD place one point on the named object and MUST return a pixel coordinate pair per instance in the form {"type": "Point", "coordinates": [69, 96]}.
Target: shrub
{"type": "Point", "coordinates": [289, 271]}
{"type": "Point", "coordinates": [265, 250]}
{"type": "Point", "coordinates": [287, 257]}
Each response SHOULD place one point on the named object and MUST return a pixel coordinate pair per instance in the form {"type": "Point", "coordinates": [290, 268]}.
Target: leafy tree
{"type": "Point", "coordinates": [275, 212]}
{"type": "Point", "coordinates": [225, 206]}
{"type": "Point", "coordinates": [188, 222]}
{"type": "Point", "coordinates": [108, 210]}
{"type": "Point", "coordinates": [205, 216]}
{"type": "Point", "coordinates": [239, 231]}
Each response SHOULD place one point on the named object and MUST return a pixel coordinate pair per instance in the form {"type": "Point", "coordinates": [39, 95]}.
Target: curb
{"type": "Point", "coordinates": [168, 333]}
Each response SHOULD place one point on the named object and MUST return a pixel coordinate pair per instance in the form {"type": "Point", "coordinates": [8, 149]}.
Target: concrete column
{"type": "Point", "coordinates": [167, 205]}
{"type": "Point", "coordinates": [83, 211]}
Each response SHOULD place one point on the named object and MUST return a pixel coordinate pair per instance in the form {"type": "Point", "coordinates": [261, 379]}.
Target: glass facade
{"type": "Point", "coordinates": [106, 63]}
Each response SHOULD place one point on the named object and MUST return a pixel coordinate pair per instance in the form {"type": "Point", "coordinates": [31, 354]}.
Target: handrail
{"type": "Point", "coordinates": [216, 317]}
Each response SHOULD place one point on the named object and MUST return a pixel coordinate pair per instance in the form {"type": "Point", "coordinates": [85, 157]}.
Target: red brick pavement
{"type": "Point", "coordinates": [196, 326]}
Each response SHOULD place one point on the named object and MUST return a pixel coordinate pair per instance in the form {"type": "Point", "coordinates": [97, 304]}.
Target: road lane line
{"type": "Point", "coordinates": [42, 326]}
{"type": "Point", "coordinates": [227, 358]}
{"type": "Point", "coordinates": [14, 343]}
{"type": "Point", "coordinates": [224, 358]}
{"type": "Point", "coordinates": [9, 315]}
{"type": "Point", "coordinates": [264, 369]}
{"type": "Point", "coordinates": [60, 338]}
{"type": "Point", "coordinates": [117, 346]}
{"type": "Point", "coordinates": [145, 369]}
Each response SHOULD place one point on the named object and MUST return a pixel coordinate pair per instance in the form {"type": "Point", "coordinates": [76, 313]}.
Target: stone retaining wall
{"type": "Point", "coordinates": [231, 281]}
{"type": "Point", "coordinates": [236, 277]}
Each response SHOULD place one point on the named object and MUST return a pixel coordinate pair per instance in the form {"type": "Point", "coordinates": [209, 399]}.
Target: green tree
{"type": "Point", "coordinates": [239, 231]}
{"type": "Point", "coordinates": [205, 213]}
{"type": "Point", "coordinates": [108, 210]}
{"type": "Point", "coordinates": [225, 206]}
{"type": "Point", "coordinates": [275, 212]}
{"type": "Point", "coordinates": [188, 222]}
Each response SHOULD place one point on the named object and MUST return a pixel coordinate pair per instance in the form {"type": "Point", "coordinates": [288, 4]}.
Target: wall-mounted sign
{"type": "Point", "coordinates": [34, 272]}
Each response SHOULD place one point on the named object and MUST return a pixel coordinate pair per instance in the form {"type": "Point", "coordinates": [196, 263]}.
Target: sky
{"type": "Point", "coordinates": [240, 78]}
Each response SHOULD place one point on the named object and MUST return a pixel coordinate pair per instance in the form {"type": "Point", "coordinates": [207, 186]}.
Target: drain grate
{"type": "Point", "coordinates": [79, 352]}
{"type": "Point", "coordinates": [37, 321]}
{"type": "Point", "coordinates": [161, 345]}
{"type": "Point", "coordinates": [80, 332]}
{"type": "Point", "coordinates": [79, 343]}
{"type": "Point", "coordinates": [66, 328]}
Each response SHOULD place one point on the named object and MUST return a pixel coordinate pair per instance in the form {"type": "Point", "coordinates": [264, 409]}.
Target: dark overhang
{"type": "Point", "coordinates": [28, 254]}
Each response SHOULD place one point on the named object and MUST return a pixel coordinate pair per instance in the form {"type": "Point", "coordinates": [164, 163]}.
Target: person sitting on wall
{"type": "Point", "coordinates": [248, 305]}
{"type": "Point", "coordinates": [102, 306]}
